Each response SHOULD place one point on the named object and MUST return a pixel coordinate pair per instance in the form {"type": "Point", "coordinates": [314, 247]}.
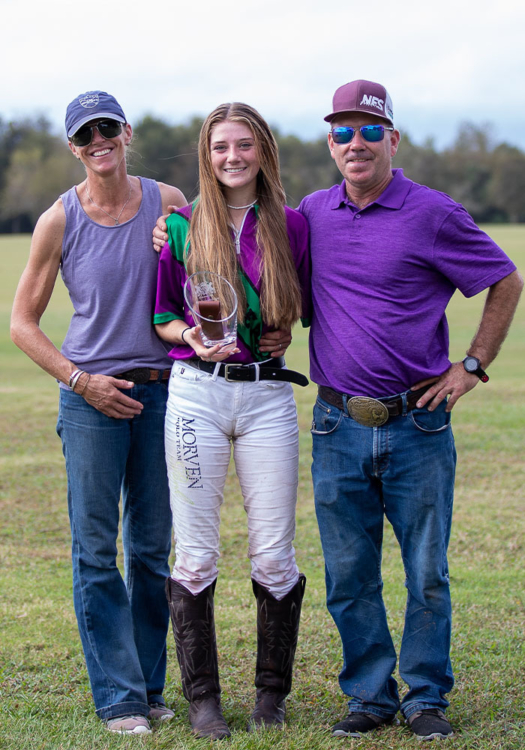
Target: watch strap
{"type": "Point", "coordinates": [479, 371]}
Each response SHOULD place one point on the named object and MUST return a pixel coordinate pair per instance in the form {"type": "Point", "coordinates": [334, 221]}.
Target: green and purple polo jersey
{"type": "Point", "coordinates": [170, 303]}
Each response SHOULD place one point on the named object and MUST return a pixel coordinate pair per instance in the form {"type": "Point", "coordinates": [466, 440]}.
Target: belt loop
{"type": "Point", "coordinates": [159, 376]}
{"type": "Point", "coordinates": [404, 403]}
{"type": "Point", "coordinates": [345, 402]}
{"type": "Point", "coordinates": [257, 373]}
{"type": "Point", "coordinates": [216, 369]}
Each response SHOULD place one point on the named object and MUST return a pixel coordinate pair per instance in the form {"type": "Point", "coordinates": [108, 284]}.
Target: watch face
{"type": "Point", "coordinates": [471, 364]}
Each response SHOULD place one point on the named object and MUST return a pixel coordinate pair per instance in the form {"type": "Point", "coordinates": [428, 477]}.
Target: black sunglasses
{"type": "Point", "coordinates": [371, 133]}
{"type": "Point", "coordinates": [106, 128]}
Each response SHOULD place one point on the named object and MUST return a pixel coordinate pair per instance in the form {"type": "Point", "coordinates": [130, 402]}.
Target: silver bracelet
{"type": "Point", "coordinates": [75, 378]}
{"type": "Point", "coordinates": [73, 375]}
{"type": "Point", "coordinates": [182, 335]}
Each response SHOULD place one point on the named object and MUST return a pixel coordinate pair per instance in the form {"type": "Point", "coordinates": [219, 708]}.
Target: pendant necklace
{"type": "Point", "coordinates": [115, 218]}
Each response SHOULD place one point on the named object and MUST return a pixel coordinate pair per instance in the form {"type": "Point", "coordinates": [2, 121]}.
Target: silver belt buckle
{"type": "Point", "coordinates": [226, 373]}
{"type": "Point", "coordinates": [367, 411]}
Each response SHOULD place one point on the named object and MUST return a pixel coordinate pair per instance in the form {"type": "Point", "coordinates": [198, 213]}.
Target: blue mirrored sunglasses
{"type": "Point", "coordinates": [370, 133]}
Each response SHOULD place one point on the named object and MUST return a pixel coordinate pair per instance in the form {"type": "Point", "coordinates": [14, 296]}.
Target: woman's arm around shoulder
{"type": "Point", "coordinates": [171, 198]}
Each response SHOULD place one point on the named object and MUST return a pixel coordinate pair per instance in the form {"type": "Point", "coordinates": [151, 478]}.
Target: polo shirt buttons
{"type": "Point", "coordinates": [358, 216]}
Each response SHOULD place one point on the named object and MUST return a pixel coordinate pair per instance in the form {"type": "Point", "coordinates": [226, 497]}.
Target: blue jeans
{"type": "Point", "coordinates": [123, 625]}
{"type": "Point", "coordinates": [404, 470]}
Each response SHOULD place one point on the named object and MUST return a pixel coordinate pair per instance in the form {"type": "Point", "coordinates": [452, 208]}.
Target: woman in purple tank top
{"type": "Point", "coordinates": [113, 373]}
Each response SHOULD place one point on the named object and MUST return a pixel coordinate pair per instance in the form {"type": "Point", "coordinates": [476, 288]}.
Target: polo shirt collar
{"type": "Point", "coordinates": [393, 196]}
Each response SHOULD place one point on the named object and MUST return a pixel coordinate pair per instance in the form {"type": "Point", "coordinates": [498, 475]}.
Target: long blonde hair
{"type": "Point", "coordinates": [211, 246]}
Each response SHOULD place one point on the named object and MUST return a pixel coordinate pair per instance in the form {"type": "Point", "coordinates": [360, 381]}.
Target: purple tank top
{"type": "Point", "coordinates": [111, 276]}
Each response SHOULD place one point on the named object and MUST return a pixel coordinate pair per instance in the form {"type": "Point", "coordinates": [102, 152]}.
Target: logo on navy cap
{"type": "Point", "coordinates": [89, 100]}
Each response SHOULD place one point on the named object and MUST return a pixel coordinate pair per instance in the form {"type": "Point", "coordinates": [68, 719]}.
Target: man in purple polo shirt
{"type": "Point", "coordinates": [387, 255]}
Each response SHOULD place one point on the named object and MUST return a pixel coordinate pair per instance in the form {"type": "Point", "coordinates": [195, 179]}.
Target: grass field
{"type": "Point", "coordinates": [44, 691]}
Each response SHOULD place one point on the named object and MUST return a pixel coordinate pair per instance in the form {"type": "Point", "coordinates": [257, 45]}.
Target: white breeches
{"type": "Point", "coordinates": [205, 416]}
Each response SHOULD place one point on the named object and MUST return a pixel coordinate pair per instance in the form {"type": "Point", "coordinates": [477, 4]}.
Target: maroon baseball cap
{"type": "Point", "coordinates": [362, 96]}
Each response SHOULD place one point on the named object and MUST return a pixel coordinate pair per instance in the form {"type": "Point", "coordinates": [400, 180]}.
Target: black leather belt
{"type": "Point", "coordinates": [142, 375]}
{"type": "Point", "coordinates": [233, 373]}
{"type": "Point", "coordinates": [371, 412]}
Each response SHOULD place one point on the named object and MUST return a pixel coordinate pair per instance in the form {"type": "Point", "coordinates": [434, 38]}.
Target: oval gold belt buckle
{"type": "Point", "coordinates": [367, 411]}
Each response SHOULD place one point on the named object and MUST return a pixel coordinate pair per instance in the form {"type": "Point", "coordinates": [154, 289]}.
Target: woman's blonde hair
{"type": "Point", "coordinates": [211, 246]}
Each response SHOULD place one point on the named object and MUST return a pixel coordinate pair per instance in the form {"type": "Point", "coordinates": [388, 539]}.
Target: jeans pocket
{"type": "Point", "coordinates": [431, 421]}
{"type": "Point", "coordinates": [326, 419]}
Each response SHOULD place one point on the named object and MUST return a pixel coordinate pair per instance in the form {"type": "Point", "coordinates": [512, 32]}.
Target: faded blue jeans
{"type": "Point", "coordinates": [123, 623]}
{"type": "Point", "coordinates": [403, 470]}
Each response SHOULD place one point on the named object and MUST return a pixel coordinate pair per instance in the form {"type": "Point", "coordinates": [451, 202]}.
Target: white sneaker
{"type": "Point", "coordinates": [129, 725]}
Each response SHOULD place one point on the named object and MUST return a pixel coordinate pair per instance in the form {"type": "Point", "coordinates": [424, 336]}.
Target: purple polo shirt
{"type": "Point", "coordinates": [382, 277]}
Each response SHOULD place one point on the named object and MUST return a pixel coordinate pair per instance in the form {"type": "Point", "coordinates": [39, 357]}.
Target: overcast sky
{"type": "Point", "coordinates": [443, 63]}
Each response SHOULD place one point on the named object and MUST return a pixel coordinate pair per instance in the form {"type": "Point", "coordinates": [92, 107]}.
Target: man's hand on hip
{"type": "Point", "coordinates": [454, 383]}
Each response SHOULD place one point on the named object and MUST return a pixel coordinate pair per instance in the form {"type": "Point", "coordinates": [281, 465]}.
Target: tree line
{"type": "Point", "coordinates": [36, 166]}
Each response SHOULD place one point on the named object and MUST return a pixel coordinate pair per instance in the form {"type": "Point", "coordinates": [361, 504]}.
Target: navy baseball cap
{"type": "Point", "coordinates": [90, 106]}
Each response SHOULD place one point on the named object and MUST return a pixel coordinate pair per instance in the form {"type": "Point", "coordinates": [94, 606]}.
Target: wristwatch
{"type": "Point", "coordinates": [473, 366]}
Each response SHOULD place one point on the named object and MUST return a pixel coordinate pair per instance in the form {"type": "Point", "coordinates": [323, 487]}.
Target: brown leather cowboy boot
{"type": "Point", "coordinates": [277, 632]}
{"type": "Point", "coordinates": [193, 624]}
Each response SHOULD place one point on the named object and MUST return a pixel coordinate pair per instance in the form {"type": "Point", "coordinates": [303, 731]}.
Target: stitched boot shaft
{"type": "Point", "coordinates": [277, 633]}
{"type": "Point", "coordinates": [192, 619]}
